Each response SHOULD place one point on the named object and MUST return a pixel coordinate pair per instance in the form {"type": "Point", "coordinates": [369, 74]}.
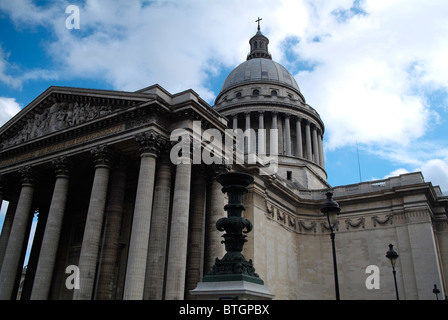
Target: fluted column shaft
{"type": "Point", "coordinates": [315, 146]}
{"type": "Point", "coordinates": [274, 134]}
{"type": "Point", "coordinates": [309, 153]}
{"type": "Point", "coordinates": [235, 121]}
{"type": "Point", "coordinates": [6, 230]}
{"type": "Point", "coordinates": [50, 241]}
{"type": "Point", "coordinates": [261, 134]}
{"type": "Point", "coordinates": [299, 152]}
{"type": "Point", "coordinates": [158, 237]}
{"type": "Point", "coordinates": [1, 194]}
{"type": "Point", "coordinates": [177, 253]}
{"type": "Point", "coordinates": [150, 143]}
{"type": "Point", "coordinates": [321, 149]}
{"type": "Point", "coordinates": [195, 257]}
{"type": "Point", "coordinates": [251, 140]}
{"type": "Point", "coordinates": [281, 147]}
{"type": "Point", "coordinates": [114, 214]}
{"type": "Point", "coordinates": [288, 135]}
{"type": "Point", "coordinates": [92, 232]}
{"type": "Point", "coordinates": [17, 236]}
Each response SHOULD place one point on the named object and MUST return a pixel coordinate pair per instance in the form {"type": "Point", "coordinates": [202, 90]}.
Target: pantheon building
{"type": "Point", "coordinates": [119, 219]}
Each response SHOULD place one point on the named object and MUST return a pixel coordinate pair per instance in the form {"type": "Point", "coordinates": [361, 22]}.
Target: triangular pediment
{"type": "Point", "coordinates": [61, 108]}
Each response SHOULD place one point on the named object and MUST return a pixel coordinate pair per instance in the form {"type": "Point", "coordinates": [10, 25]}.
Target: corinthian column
{"type": "Point", "coordinates": [1, 192]}
{"type": "Point", "coordinates": [299, 152]}
{"type": "Point", "coordinates": [6, 229]}
{"type": "Point", "coordinates": [261, 134]}
{"type": "Point", "coordinates": [17, 237]}
{"type": "Point", "coordinates": [195, 257]}
{"type": "Point", "coordinates": [177, 253]}
{"type": "Point", "coordinates": [50, 241]}
{"type": "Point", "coordinates": [235, 121]}
{"type": "Point", "coordinates": [274, 135]}
{"type": "Point", "coordinates": [288, 135]}
{"type": "Point", "coordinates": [94, 222]}
{"type": "Point", "coordinates": [158, 237]}
{"type": "Point", "coordinates": [321, 149]}
{"type": "Point", "coordinates": [315, 146]}
{"type": "Point", "coordinates": [309, 153]}
{"type": "Point", "coordinates": [114, 214]}
{"type": "Point", "coordinates": [150, 144]}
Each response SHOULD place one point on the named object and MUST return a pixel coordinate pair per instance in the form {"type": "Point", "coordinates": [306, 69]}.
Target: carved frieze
{"type": "Point", "coordinates": [301, 224]}
{"type": "Point", "coordinates": [311, 227]}
{"type": "Point", "coordinates": [58, 115]}
{"type": "Point", "coordinates": [360, 223]}
{"type": "Point", "coordinates": [325, 226]}
{"type": "Point", "coordinates": [387, 219]}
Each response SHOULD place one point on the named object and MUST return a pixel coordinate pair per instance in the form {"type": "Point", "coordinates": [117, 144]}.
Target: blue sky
{"type": "Point", "coordinates": [375, 70]}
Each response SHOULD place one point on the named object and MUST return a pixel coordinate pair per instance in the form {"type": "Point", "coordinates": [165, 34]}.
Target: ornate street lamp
{"type": "Point", "coordinates": [392, 255]}
{"type": "Point", "coordinates": [331, 209]}
{"type": "Point", "coordinates": [234, 266]}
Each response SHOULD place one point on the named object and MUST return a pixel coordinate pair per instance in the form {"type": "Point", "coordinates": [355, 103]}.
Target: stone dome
{"type": "Point", "coordinates": [260, 69]}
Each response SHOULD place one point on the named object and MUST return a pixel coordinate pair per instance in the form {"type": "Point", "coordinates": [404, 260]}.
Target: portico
{"type": "Point", "coordinates": [101, 189]}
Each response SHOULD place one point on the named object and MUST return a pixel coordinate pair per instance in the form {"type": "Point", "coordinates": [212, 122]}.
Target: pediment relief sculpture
{"type": "Point", "coordinates": [58, 116]}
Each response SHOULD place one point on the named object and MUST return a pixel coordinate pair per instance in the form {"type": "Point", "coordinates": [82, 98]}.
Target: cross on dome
{"type": "Point", "coordinates": [258, 20]}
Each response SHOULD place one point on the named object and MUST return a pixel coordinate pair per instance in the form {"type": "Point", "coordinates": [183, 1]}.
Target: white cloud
{"type": "Point", "coordinates": [436, 171]}
{"type": "Point", "coordinates": [433, 170]}
{"type": "Point", "coordinates": [8, 108]}
{"type": "Point", "coordinates": [372, 67]}
{"type": "Point", "coordinates": [375, 61]}
{"type": "Point", "coordinates": [133, 44]}
{"type": "Point", "coordinates": [4, 76]}
{"type": "Point", "coordinates": [396, 172]}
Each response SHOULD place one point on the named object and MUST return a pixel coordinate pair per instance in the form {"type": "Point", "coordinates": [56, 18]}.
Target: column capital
{"type": "Point", "coordinates": [102, 155]}
{"type": "Point", "coordinates": [26, 175]}
{"type": "Point", "coordinates": [274, 113]}
{"type": "Point", "coordinates": [287, 115]}
{"type": "Point", "coordinates": [150, 142]}
{"type": "Point", "coordinates": [62, 166]}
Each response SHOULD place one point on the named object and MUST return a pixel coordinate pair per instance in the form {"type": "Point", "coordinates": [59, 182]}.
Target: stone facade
{"type": "Point", "coordinates": [97, 167]}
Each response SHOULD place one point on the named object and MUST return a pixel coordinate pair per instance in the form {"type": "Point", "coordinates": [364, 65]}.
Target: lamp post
{"type": "Point", "coordinates": [436, 291]}
{"type": "Point", "coordinates": [234, 266]}
{"type": "Point", "coordinates": [392, 255]}
{"type": "Point", "coordinates": [331, 209]}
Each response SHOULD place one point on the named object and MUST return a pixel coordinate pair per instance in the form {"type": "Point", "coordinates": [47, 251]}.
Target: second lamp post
{"type": "Point", "coordinates": [331, 209]}
{"type": "Point", "coordinates": [392, 255]}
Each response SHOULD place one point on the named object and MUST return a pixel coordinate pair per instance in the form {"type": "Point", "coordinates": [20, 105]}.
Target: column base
{"type": "Point", "coordinates": [232, 277]}
{"type": "Point", "coordinates": [231, 290]}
